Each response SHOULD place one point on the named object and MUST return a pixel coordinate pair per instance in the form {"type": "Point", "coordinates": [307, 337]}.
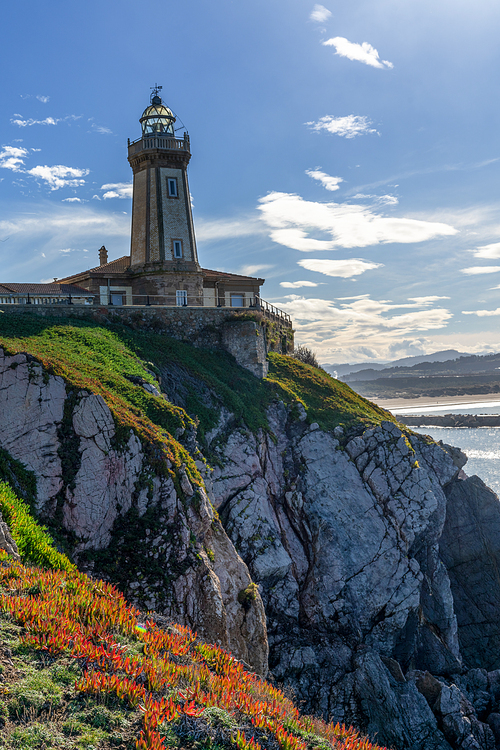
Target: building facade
{"type": "Point", "coordinates": [163, 266]}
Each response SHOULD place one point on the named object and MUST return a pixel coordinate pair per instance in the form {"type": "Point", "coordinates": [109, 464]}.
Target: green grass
{"type": "Point", "coordinates": [33, 542]}
{"type": "Point", "coordinates": [328, 402]}
{"type": "Point", "coordinates": [99, 359]}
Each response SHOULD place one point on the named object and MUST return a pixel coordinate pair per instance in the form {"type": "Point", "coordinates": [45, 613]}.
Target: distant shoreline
{"type": "Point", "coordinates": [405, 405]}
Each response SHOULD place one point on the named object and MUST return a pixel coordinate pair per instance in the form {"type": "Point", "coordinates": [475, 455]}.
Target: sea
{"type": "Point", "coordinates": [480, 444]}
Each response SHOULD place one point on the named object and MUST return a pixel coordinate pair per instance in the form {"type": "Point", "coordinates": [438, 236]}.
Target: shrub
{"type": "Point", "coordinates": [305, 355]}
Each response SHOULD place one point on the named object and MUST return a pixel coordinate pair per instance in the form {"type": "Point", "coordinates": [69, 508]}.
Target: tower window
{"type": "Point", "coordinates": [172, 187]}
{"type": "Point", "coordinates": [177, 246]}
{"type": "Point", "coordinates": [181, 298]}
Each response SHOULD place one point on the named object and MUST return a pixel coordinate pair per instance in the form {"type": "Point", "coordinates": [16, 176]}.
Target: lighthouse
{"type": "Point", "coordinates": [163, 244]}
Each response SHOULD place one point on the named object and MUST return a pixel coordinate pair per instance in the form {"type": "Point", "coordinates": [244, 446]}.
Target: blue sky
{"type": "Point", "coordinates": [348, 152]}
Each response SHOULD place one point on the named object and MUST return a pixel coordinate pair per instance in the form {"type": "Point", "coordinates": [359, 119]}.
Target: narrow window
{"type": "Point", "coordinates": [177, 248]}
{"type": "Point", "coordinates": [237, 300]}
{"type": "Point", "coordinates": [172, 187]}
{"type": "Point", "coordinates": [181, 297]}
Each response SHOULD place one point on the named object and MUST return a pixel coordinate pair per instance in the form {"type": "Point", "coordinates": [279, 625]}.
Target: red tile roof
{"type": "Point", "coordinates": [209, 274]}
{"type": "Point", "coordinates": [48, 289]}
{"type": "Point", "coordinates": [114, 266]}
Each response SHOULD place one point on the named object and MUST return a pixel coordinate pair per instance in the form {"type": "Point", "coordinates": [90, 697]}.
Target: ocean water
{"type": "Point", "coordinates": [481, 445]}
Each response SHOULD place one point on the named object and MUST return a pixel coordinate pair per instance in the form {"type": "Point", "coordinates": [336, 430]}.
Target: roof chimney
{"type": "Point", "coordinates": [103, 256]}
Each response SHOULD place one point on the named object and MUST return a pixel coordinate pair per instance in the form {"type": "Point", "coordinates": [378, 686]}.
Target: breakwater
{"type": "Point", "coordinates": [451, 420]}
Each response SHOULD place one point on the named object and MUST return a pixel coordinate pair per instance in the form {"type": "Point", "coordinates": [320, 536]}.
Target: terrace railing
{"type": "Point", "coordinates": [118, 299]}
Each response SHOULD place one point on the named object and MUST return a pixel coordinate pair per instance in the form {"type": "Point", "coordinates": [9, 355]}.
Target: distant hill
{"type": "Point", "coordinates": [463, 365]}
{"type": "Point", "coordinates": [346, 369]}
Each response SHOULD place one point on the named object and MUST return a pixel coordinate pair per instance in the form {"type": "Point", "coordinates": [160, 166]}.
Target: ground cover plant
{"type": "Point", "coordinates": [103, 360]}
{"type": "Point", "coordinates": [84, 669]}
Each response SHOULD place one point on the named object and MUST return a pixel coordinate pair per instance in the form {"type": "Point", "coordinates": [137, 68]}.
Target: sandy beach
{"type": "Point", "coordinates": [424, 404]}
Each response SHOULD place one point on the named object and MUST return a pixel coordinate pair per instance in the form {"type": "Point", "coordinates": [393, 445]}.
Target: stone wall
{"type": "Point", "coordinates": [217, 327]}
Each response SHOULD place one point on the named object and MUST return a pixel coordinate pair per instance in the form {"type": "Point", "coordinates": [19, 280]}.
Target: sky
{"type": "Point", "coordinates": [348, 153]}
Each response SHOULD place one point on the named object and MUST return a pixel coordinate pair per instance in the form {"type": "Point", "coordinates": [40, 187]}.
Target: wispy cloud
{"type": "Point", "coordinates": [344, 269]}
{"type": "Point", "coordinates": [225, 229]}
{"type": "Point", "coordinates": [364, 52]}
{"type": "Point", "coordinates": [297, 284]}
{"type": "Point", "coordinates": [12, 157]}
{"type": "Point", "coordinates": [320, 14]}
{"type": "Point", "coordinates": [72, 200]}
{"type": "Point", "coordinates": [21, 122]}
{"type": "Point", "coordinates": [101, 129]}
{"type": "Point", "coordinates": [489, 252]}
{"type": "Point", "coordinates": [362, 327]}
{"type": "Point", "coordinates": [117, 190]}
{"type": "Point", "coordinates": [292, 220]}
{"type": "Point", "coordinates": [59, 176]}
{"type": "Point", "coordinates": [478, 270]}
{"type": "Point", "coordinates": [250, 270]}
{"type": "Point", "coordinates": [43, 99]}
{"type": "Point", "coordinates": [65, 225]}
{"type": "Point", "coordinates": [328, 182]}
{"type": "Point", "coordinates": [347, 127]}
{"type": "Point", "coordinates": [482, 313]}
{"type": "Point", "coordinates": [426, 300]}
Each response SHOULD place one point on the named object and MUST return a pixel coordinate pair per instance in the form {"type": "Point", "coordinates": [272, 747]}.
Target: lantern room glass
{"type": "Point", "coordinates": [157, 119]}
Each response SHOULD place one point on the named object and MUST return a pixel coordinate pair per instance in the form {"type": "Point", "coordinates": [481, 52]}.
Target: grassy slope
{"type": "Point", "coordinates": [99, 359]}
{"type": "Point", "coordinates": [81, 670]}
{"type": "Point", "coordinates": [40, 705]}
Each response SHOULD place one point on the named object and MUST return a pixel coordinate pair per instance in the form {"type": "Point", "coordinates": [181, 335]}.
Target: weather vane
{"type": "Point", "coordinates": [155, 90]}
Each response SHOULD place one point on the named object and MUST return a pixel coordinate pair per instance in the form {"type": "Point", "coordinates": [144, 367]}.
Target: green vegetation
{"type": "Point", "coordinates": [33, 542]}
{"type": "Point", "coordinates": [328, 402]}
{"type": "Point", "coordinates": [104, 360]}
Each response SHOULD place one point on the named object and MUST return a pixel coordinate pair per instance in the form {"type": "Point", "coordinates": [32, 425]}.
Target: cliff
{"type": "Point", "coordinates": [185, 480]}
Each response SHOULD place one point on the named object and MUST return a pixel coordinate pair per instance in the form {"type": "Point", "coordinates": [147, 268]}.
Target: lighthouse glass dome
{"type": "Point", "coordinates": [157, 119]}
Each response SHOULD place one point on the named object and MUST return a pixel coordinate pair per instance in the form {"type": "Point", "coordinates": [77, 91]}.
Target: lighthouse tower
{"type": "Point", "coordinates": [163, 248]}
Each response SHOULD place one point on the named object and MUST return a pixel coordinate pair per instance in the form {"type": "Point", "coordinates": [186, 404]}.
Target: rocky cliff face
{"type": "Point", "coordinates": [155, 534]}
{"type": "Point", "coordinates": [376, 564]}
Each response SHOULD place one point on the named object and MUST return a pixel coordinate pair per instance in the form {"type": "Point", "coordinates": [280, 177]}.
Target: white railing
{"type": "Point", "coordinates": [159, 142]}
{"type": "Point", "coordinates": [119, 300]}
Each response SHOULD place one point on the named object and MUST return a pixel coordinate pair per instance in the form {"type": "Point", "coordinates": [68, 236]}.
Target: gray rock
{"type": "Point", "coordinates": [470, 550]}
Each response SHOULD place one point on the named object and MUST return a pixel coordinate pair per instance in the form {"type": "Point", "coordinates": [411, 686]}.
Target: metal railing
{"type": "Point", "coordinates": [118, 299]}
{"type": "Point", "coordinates": [255, 303]}
{"type": "Point", "coordinates": [160, 142]}
{"type": "Point", "coordinates": [33, 299]}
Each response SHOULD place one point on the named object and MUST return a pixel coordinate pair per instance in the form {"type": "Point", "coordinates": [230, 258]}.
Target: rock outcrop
{"type": "Point", "coordinates": [366, 553]}
{"type": "Point", "coordinates": [153, 532]}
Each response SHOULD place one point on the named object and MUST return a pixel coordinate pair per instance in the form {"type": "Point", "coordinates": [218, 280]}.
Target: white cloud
{"type": "Point", "coordinates": [342, 268]}
{"type": "Point", "coordinates": [482, 313]}
{"type": "Point", "coordinates": [328, 182]}
{"type": "Point", "coordinates": [59, 176]}
{"type": "Point", "coordinates": [43, 99]}
{"type": "Point", "coordinates": [251, 270]}
{"type": "Point", "coordinates": [426, 300]}
{"type": "Point", "coordinates": [291, 219]}
{"type": "Point", "coordinates": [72, 200]}
{"type": "Point", "coordinates": [320, 14]}
{"type": "Point", "coordinates": [224, 229]}
{"type": "Point", "coordinates": [66, 250]}
{"type": "Point", "coordinates": [12, 157]}
{"type": "Point", "coordinates": [117, 190]}
{"type": "Point", "coordinates": [297, 284]}
{"type": "Point", "coordinates": [27, 123]}
{"type": "Point", "coordinates": [476, 270]}
{"type": "Point", "coordinates": [101, 129]}
{"type": "Point", "coordinates": [65, 225]}
{"type": "Point", "coordinates": [362, 328]}
{"type": "Point", "coordinates": [347, 127]}
{"type": "Point", "coordinates": [96, 197]}
{"type": "Point", "coordinates": [364, 52]}
{"type": "Point", "coordinates": [489, 252]}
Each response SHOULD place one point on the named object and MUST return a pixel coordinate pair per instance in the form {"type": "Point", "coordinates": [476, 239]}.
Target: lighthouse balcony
{"type": "Point", "coordinates": [159, 142]}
